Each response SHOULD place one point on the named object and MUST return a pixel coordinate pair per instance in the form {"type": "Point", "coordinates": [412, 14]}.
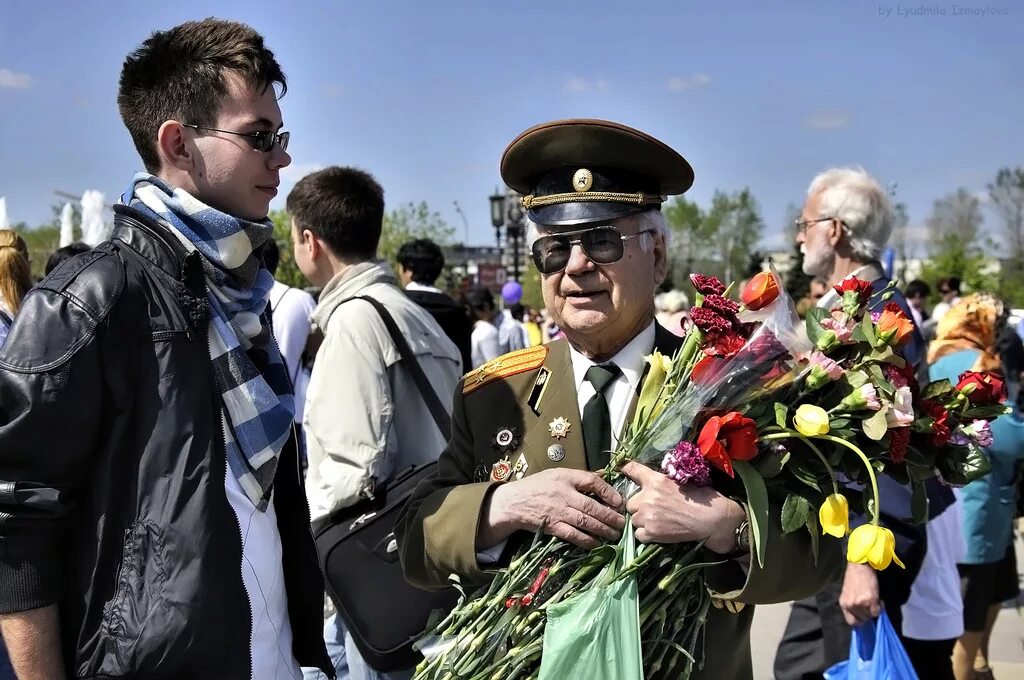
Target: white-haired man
{"type": "Point", "coordinates": [845, 223]}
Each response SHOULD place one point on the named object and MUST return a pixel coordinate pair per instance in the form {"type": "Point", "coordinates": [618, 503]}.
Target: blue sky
{"type": "Point", "coordinates": [425, 95]}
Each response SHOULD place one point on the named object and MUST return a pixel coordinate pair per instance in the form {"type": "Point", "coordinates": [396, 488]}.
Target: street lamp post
{"type": "Point", "coordinates": [507, 212]}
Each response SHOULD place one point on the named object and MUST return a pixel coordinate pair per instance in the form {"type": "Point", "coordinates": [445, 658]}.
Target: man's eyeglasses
{"type": "Point", "coordinates": [802, 224]}
{"type": "Point", "coordinates": [262, 140]}
{"type": "Point", "coordinates": [603, 245]}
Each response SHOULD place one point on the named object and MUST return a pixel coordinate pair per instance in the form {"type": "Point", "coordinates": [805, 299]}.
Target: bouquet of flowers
{"type": "Point", "coordinates": [792, 409]}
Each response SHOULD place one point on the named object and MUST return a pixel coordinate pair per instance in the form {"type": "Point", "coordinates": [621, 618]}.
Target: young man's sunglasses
{"type": "Point", "coordinates": [602, 245]}
{"type": "Point", "coordinates": [263, 140]}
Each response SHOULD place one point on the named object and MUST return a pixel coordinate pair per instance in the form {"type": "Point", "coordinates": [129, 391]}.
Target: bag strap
{"type": "Point", "coordinates": [437, 409]}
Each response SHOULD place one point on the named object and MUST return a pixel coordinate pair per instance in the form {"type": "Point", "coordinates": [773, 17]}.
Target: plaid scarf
{"type": "Point", "coordinates": [256, 396]}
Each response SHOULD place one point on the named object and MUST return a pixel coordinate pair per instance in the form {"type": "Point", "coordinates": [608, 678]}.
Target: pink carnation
{"type": "Point", "coordinates": [901, 410]}
{"type": "Point", "coordinates": [685, 465]}
{"type": "Point", "coordinates": [833, 370]}
{"type": "Point", "coordinates": [839, 323]}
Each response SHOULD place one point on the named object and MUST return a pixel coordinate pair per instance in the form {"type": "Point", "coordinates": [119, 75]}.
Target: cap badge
{"type": "Point", "coordinates": [559, 428]}
{"type": "Point", "coordinates": [582, 180]}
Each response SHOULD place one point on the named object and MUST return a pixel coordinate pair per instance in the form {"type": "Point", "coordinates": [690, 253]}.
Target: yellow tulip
{"type": "Point", "coordinates": [811, 420]}
{"type": "Point", "coordinates": [834, 515]}
{"type": "Point", "coordinates": [873, 545]}
{"type": "Point", "coordinates": [648, 406]}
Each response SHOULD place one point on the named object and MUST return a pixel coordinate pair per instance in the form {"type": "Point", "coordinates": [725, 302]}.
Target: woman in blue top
{"type": "Point", "coordinates": [966, 341]}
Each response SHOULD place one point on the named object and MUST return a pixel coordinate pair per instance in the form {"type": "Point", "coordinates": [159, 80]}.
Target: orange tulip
{"type": "Point", "coordinates": [894, 327]}
{"type": "Point", "coordinates": [760, 291]}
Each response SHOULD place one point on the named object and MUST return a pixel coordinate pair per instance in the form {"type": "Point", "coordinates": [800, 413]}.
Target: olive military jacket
{"type": "Point", "coordinates": [525, 392]}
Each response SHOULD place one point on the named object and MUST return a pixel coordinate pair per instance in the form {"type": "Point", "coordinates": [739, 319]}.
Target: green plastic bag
{"type": "Point", "coordinates": [596, 635]}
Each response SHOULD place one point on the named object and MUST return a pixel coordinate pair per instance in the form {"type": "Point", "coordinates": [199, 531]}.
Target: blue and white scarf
{"type": "Point", "coordinates": [256, 396]}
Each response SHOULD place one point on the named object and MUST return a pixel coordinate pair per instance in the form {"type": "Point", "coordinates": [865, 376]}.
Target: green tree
{"type": "Point", "coordinates": [954, 229]}
{"type": "Point", "coordinates": [407, 222]}
{"type": "Point", "coordinates": [900, 220]}
{"type": "Point", "coordinates": [735, 221]}
{"type": "Point", "coordinates": [41, 243]}
{"type": "Point", "coordinates": [1006, 199]}
{"type": "Point", "coordinates": [691, 240]}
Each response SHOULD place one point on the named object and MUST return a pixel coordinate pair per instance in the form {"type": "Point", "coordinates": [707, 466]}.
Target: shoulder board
{"type": "Point", "coordinates": [508, 364]}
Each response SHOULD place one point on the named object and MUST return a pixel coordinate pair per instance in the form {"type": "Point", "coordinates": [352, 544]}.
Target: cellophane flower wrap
{"type": "Point", "coordinates": [778, 412]}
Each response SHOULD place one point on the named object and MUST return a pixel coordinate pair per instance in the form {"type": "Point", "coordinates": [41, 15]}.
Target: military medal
{"type": "Point", "coordinates": [506, 440]}
{"type": "Point", "coordinates": [521, 466]}
{"type": "Point", "coordinates": [559, 428]}
{"type": "Point", "coordinates": [556, 453]}
{"type": "Point", "coordinates": [502, 470]}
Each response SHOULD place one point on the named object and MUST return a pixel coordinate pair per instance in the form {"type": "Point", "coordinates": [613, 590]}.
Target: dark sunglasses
{"type": "Point", "coordinates": [263, 140]}
{"type": "Point", "coordinates": [602, 245]}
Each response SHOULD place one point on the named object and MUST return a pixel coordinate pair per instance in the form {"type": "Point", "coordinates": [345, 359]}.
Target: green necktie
{"type": "Point", "coordinates": [597, 421]}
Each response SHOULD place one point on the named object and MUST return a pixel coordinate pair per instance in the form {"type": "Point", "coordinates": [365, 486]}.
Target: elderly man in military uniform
{"type": "Point", "coordinates": [529, 428]}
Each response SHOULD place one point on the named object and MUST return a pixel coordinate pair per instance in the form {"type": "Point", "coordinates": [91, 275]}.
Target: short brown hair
{"type": "Point", "coordinates": [179, 75]}
{"type": "Point", "coordinates": [342, 206]}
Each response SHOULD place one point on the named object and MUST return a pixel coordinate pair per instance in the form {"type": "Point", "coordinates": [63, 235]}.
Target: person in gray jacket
{"type": "Point", "coordinates": [364, 418]}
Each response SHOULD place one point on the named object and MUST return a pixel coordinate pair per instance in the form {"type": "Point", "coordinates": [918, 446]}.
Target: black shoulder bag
{"type": "Point", "coordinates": [359, 554]}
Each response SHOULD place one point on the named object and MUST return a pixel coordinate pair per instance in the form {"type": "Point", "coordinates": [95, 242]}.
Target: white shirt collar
{"type": "Point", "coordinates": [629, 359]}
{"type": "Point", "coordinates": [423, 288]}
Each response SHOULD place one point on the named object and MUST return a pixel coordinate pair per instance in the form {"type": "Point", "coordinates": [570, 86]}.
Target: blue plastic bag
{"type": "Point", "coordinates": [876, 653]}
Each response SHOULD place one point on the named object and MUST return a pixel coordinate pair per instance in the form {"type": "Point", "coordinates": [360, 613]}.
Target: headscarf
{"type": "Point", "coordinates": [971, 323]}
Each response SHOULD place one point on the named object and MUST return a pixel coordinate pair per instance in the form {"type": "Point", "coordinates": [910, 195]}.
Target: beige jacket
{"type": "Point", "coordinates": [364, 418]}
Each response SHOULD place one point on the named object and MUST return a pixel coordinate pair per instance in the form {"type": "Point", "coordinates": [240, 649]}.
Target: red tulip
{"type": "Point", "coordinates": [724, 439]}
{"type": "Point", "coordinates": [760, 291]}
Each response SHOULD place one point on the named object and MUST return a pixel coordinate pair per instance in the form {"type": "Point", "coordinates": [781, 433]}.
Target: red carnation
{"type": "Point", "coordinates": [707, 285]}
{"type": "Point", "coordinates": [989, 388]}
{"type": "Point", "coordinates": [859, 286]}
{"type": "Point", "coordinates": [723, 305]}
{"type": "Point", "coordinates": [940, 427]}
{"type": "Point", "coordinates": [899, 440]}
{"type": "Point", "coordinates": [724, 344]}
{"type": "Point", "coordinates": [709, 321]}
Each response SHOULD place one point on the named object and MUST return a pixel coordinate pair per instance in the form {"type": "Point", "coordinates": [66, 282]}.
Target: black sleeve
{"type": "Point", "coordinates": [51, 396]}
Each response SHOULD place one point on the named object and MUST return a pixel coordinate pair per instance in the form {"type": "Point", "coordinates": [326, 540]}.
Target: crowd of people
{"type": "Point", "coordinates": [174, 422]}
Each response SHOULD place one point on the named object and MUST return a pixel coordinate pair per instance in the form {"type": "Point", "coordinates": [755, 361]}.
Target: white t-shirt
{"type": "Point", "coordinates": [485, 343]}
{"type": "Point", "coordinates": [935, 608]}
{"type": "Point", "coordinates": [270, 637]}
{"type": "Point", "coordinates": [291, 309]}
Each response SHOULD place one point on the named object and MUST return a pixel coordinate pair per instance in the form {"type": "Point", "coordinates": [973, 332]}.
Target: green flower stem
{"type": "Point", "coordinates": [867, 465]}
{"type": "Point", "coordinates": [793, 434]}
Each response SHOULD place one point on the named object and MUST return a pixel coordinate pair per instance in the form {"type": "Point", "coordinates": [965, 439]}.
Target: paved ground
{"type": "Point", "coordinates": [1007, 645]}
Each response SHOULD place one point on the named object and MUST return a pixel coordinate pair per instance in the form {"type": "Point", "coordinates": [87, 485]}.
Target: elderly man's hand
{"type": "Point", "coordinates": [859, 599]}
{"type": "Point", "coordinates": [664, 512]}
{"type": "Point", "coordinates": [574, 505]}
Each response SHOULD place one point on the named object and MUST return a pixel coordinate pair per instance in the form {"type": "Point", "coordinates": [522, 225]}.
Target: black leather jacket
{"type": "Point", "coordinates": [112, 499]}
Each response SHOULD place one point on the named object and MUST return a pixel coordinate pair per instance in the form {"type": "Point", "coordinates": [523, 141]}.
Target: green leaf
{"type": "Point", "coordinates": [804, 475]}
{"type": "Point", "coordinates": [771, 464]}
{"type": "Point", "coordinates": [815, 531]}
{"type": "Point", "coordinates": [839, 423]}
{"type": "Point", "coordinates": [757, 500]}
{"type": "Point", "coordinates": [987, 412]}
{"type": "Point", "coordinates": [878, 378]}
{"type": "Point", "coordinates": [813, 322]}
{"type": "Point", "coordinates": [875, 427]}
{"type": "Point", "coordinates": [868, 328]}
{"type": "Point", "coordinates": [919, 502]}
{"type": "Point", "coordinates": [794, 513]}
{"type": "Point", "coordinates": [869, 502]}
{"type": "Point", "coordinates": [937, 389]}
{"type": "Point", "coordinates": [856, 379]}
{"type": "Point", "coordinates": [781, 415]}
{"type": "Point", "coordinates": [961, 465]}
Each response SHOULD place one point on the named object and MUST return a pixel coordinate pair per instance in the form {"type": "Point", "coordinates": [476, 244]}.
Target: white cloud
{"type": "Point", "coordinates": [827, 120]}
{"type": "Point", "coordinates": [9, 78]}
{"type": "Point", "coordinates": [577, 84]}
{"type": "Point", "coordinates": [691, 82]}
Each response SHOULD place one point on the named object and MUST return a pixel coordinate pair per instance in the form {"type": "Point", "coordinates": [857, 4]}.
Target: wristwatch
{"type": "Point", "coordinates": [743, 534]}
